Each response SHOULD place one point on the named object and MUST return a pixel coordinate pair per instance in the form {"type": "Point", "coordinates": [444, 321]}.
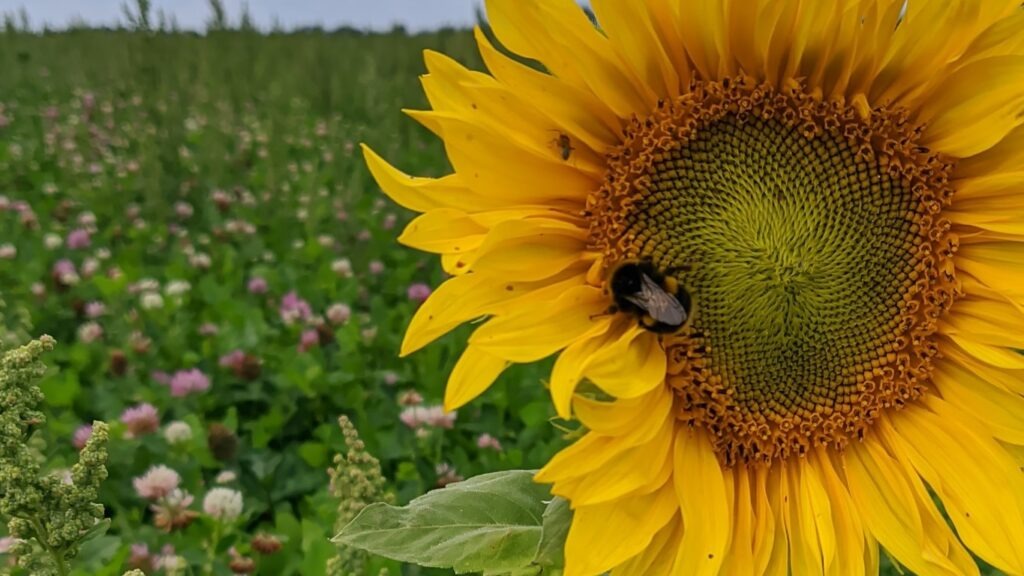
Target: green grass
{"type": "Point", "coordinates": [122, 127]}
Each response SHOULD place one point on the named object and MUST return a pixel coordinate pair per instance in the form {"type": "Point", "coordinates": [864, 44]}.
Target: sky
{"type": "Point", "coordinates": [193, 14]}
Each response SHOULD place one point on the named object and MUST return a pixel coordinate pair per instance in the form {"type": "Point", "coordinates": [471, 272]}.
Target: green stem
{"type": "Point", "coordinates": [211, 552]}
{"type": "Point", "coordinates": [44, 540]}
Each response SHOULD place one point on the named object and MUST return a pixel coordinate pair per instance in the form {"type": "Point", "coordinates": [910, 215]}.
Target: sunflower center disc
{"type": "Point", "coordinates": [810, 240]}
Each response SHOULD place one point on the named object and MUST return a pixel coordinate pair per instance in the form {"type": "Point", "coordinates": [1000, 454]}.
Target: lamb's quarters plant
{"type": "Point", "coordinates": [50, 514]}
{"type": "Point", "coordinates": [356, 482]}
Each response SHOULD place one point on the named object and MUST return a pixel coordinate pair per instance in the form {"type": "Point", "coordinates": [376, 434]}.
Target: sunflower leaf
{"type": "Point", "coordinates": [557, 517]}
{"type": "Point", "coordinates": [491, 523]}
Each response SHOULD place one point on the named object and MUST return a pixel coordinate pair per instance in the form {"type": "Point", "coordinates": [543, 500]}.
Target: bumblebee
{"type": "Point", "coordinates": [656, 299]}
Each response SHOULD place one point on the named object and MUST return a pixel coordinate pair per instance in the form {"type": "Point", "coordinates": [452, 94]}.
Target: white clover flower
{"type": "Point", "coordinates": [342, 267]}
{"type": "Point", "coordinates": [223, 504]}
{"type": "Point", "coordinates": [151, 300]}
{"type": "Point", "coordinates": [90, 332]}
{"type": "Point", "coordinates": [52, 241]}
{"type": "Point", "coordinates": [177, 432]}
{"type": "Point", "coordinates": [90, 266]}
{"type": "Point", "coordinates": [177, 287]}
{"type": "Point", "coordinates": [157, 482]}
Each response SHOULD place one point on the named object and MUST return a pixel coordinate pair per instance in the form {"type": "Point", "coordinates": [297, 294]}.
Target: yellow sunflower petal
{"type": "Point", "coordinates": [490, 163]}
{"type": "Point", "coordinates": [701, 489]}
{"type": "Point", "coordinates": [559, 34]}
{"type": "Point", "coordinates": [579, 112]}
{"type": "Point", "coordinates": [471, 296]}
{"type": "Point", "coordinates": [455, 301]}
{"type": "Point", "coordinates": [702, 27]}
{"type": "Point", "coordinates": [571, 365]}
{"type": "Point", "coordinates": [529, 249]}
{"type": "Point", "coordinates": [943, 546]}
{"type": "Point", "coordinates": [992, 322]}
{"type": "Point", "coordinates": [530, 335]}
{"type": "Point", "coordinates": [520, 28]}
{"type": "Point", "coordinates": [995, 265]}
{"type": "Point", "coordinates": [973, 476]}
{"type": "Point", "coordinates": [632, 32]}
{"type": "Point", "coordinates": [963, 121]}
{"type": "Point", "coordinates": [663, 19]}
{"type": "Point", "coordinates": [444, 231]}
{"type": "Point", "coordinates": [973, 286]}
{"type": "Point", "coordinates": [812, 540]}
{"type": "Point", "coordinates": [605, 535]}
{"type": "Point", "coordinates": [849, 32]}
{"type": "Point", "coordinates": [881, 492]}
{"type": "Point", "coordinates": [1001, 411]}
{"type": "Point", "coordinates": [423, 194]}
{"type": "Point", "coordinates": [814, 33]}
{"type": "Point", "coordinates": [470, 238]}
{"type": "Point", "coordinates": [481, 100]}
{"type": "Point", "coordinates": [657, 558]}
{"type": "Point", "coordinates": [473, 374]}
{"type": "Point", "coordinates": [985, 192]}
{"type": "Point", "coordinates": [753, 524]}
{"type": "Point", "coordinates": [1004, 36]}
{"type": "Point", "coordinates": [850, 545]}
{"type": "Point", "coordinates": [929, 35]}
{"type": "Point", "coordinates": [1009, 380]}
{"type": "Point", "coordinates": [742, 17]}
{"type": "Point", "coordinates": [607, 75]}
{"type": "Point", "coordinates": [998, 356]}
{"type": "Point", "coordinates": [878, 22]}
{"type": "Point", "coordinates": [764, 527]}
{"type": "Point", "coordinates": [629, 367]}
{"type": "Point", "coordinates": [621, 416]}
{"type": "Point", "coordinates": [741, 548]}
{"type": "Point", "coordinates": [637, 469]}
{"type": "Point", "coordinates": [778, 492]}
{"type": "Point", "coordinates": [595, 450]}
{"type": "Point", "coordinates": [1006, 156]}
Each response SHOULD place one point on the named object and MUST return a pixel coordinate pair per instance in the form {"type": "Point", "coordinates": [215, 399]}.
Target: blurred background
{"type": "Point", "coordinates": [185, 208]}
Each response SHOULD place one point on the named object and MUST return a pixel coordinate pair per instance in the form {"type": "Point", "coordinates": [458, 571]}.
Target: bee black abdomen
{"type": "Point", "coordinates": [685, 300]}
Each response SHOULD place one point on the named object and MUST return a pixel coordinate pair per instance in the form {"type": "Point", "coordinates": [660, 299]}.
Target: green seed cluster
{"type": "Point", "coordinates": [356, 482]}
{"type": "Point", "coordinates": [48, 513]}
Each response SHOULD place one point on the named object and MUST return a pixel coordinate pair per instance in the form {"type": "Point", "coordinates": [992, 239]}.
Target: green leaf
{"type": "Point", "coordinates": [491, 523]}
{"type": "Point", "coordinates": [98, 529]}
{"type": "Point", "coordinates": [316, 550]}
{"type": "Point", "coordinates": [557, 517]}
{"type": "Point", "coordinates": [314, 453]}
{"type": "Point", "coordinates": [61, 389]}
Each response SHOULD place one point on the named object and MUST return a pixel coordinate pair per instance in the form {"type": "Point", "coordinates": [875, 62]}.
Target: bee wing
{"type": "Point", "coordinates": [661, 305]}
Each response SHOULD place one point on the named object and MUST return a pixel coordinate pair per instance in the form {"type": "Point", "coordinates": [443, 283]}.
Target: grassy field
{"type": "Point", "coordinates": [168, 200]}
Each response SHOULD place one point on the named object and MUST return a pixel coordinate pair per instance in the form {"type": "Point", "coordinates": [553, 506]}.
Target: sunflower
{"type": "Point", "coordinates": [836, 191]}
